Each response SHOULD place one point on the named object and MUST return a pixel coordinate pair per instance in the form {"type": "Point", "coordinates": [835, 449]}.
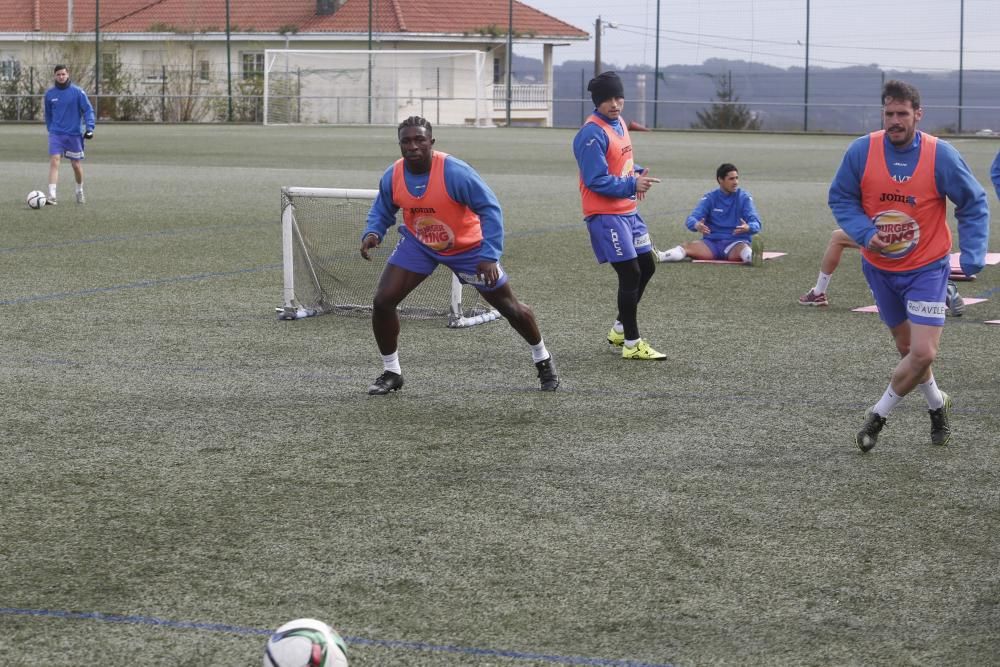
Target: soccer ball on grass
{"type": "Point", "coordinates": [305, 642]}
{"type": "Point", "coordinates": [36, 199]}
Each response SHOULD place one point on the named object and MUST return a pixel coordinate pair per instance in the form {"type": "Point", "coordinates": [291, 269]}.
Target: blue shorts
{"type": "Point", "coordinates": [412, 255]}
{"type": "Point", "coordinates": [70, 145]}
{"type": "Point", "coordinates": [720, 247]}
{"type": "Point", "coordinates": [918, 296]}
{"type": "Point", "coordinates": [618, 238]}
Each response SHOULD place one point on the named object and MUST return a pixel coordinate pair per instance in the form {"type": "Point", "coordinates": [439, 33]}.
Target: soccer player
{"type": "Point", "coordinates": [728, 222]}
{"type": "Point", "coordinates": [69, 118]}
{"type": "Point", "coordinates": [450, 217]}
{"type": "Point", "coordinates": [889, 196]}
{"type": "Point", "coordinates": [840, 241]}
{"type": "Point", "coordinates": [610, 185]}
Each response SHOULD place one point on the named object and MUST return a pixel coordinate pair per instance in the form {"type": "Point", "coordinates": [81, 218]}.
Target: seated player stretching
{"type": "Point", "coordinates": [728, 222]}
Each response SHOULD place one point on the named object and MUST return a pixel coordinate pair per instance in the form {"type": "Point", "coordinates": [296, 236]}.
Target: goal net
{"type": "Point", "coordinates": [325, 273]}
{"type": "Point", "coordinates": [374, 87]}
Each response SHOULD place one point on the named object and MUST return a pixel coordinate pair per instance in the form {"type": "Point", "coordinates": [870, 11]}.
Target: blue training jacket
{"type": "Point", "coordinates": [67, 110]}
{"type": "Point", "coordinates": [952, 177]}
{"type": "Point", "coordinates": [590, 147]}
{"type": "Point", "coordinates": [722, 213]}
{"type": "Point", "coordinates": [995, 174]}
{"type": "Point", "coordinates": [463, 184]}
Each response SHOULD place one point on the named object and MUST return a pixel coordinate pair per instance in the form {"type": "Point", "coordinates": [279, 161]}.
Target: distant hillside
{"type": "Point", "coordinates": [840, 100]}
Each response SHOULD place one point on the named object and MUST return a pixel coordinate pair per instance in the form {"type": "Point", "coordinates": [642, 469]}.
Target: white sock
{"type": "Point", "coordinates": [932, 393]}
{"type": "Point", "coordinates": [822, 282]}
{"type": "Point", "coordinates": [52, 190]}
{"type": "Point", "coordinates": [888, 401]}
{"type": "Point", "coordinates": [746, 254]}
{"type": "Point", "coordinates": [675, 254]}
{"type": "Point", "coordinates": [632, 343]}
{"type": "Point", "coordinates": [618, 327]}
{"type": "Point", "coordinates": [390, 362]}
{"type": "Point", "coordinates": [538, 352]}
{"type": "Point", "coordinates": [79, 188]}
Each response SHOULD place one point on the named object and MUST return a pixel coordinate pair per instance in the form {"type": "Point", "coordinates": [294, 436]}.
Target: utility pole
{"type": "Point", "coordinates": [656, 68]}
{"type": "Point", "coordinates": [229, 69]}
{"type": "Point", "coordinates": [597, 47]}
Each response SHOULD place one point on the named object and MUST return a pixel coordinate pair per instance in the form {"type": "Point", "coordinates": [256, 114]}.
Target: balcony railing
{"type": "Point", "coordinates": [523, 96]}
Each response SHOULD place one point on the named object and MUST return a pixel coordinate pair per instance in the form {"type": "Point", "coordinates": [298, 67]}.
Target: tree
{"type": "Point", "coordinates": [727, 114]}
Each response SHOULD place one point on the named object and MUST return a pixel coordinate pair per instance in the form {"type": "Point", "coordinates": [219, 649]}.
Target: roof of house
{"type": "Point", "coordinates": [442, 17]}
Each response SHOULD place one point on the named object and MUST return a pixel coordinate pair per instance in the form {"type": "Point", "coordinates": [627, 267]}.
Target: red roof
{"type": "Point", "coordinates": [448, 17]}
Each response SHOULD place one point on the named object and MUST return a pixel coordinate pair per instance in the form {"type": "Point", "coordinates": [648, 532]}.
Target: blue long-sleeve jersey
{"type": "Point", "coordinates": [590, 147]}
{"type": "Point", "coordinates": [68, 110]}
{"type": "Point", "coordinates": [995, 174]}
{"type": "Point", "coordinates": [463, 184]}
{"type": "Point", "coordinates": [952, 177]}
{"type": "Point", "coordinates": [722, 213]}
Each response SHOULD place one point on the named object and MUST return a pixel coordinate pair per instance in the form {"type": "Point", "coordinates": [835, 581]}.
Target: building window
{"type": "Point", "coordinates": [10, 68]}
{"type": "Point", "coordinates": [204, 66]}
{"type": "Point", "coordinates": [109, 67]}
{"type": "Point", "coordinates": [497, 71]}
{"type": "Point", "coordinates": [152, 65]}
{"type": "Point", "coordinates": [253, 65]}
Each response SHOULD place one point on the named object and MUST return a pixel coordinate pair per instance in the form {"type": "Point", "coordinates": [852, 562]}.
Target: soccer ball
{"type": "Point", "coordinates": [305, 642]}
{"type": "Point", "coordinates": [36, 199]}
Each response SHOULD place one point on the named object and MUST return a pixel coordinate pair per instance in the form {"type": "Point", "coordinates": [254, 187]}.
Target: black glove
{"type": "Point", "coordinates": [89, 134]}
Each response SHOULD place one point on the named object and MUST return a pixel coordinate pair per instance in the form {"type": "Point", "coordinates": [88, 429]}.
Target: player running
{"type": "Point", "coordinates": [889, 196]}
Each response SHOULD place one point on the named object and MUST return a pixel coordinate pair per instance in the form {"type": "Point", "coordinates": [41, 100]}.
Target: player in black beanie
{"type": "Point", "coordinates": [604, 86]}
{"type": "Point", "coordinates": [611, 184]}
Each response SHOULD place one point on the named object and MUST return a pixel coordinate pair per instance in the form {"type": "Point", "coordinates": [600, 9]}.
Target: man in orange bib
{"type": "Point", "coordinates": [610, 186]}
{"type": "Point", "coordinates": [889, 197]}
{"type": "Point", "coordinates": [450, 217]}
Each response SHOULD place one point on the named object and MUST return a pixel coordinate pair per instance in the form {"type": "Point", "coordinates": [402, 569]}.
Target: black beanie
{"type": "Point", "coordinates": [604, 86]}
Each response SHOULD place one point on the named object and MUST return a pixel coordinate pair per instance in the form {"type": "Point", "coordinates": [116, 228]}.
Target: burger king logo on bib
{"type": "Point", "coordinates": [434, 234]}
{"type": "Point", "coordinates": [899, 231]}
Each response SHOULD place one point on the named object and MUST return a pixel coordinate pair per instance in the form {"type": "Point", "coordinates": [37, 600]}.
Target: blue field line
{"type": "Point", "coordinates": [132, 237]}
{"type": "Point", "coordinates": [142, 284]}
{"type": "Point", "coordinates": [361, 641]}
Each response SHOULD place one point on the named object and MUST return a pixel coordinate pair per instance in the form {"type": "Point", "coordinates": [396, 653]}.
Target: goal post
{"type": "Point", "coordinates": [362, 87]}
{"type": "Point", "coordinates": [323, 271]}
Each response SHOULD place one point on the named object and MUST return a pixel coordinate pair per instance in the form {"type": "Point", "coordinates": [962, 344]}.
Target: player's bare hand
{"type": "Point", "coordinates": [644, 183]}
{"type": "Point", "coordinates": [877, 243]}
{"type": "Point", "coordinates": [742, 228]}
{"type": "Point", "coordinates": [489, 272]}
{"type": "Point", "coordinates": [370, 241]}
{"type": "Point", "coordinates": [701, 227]}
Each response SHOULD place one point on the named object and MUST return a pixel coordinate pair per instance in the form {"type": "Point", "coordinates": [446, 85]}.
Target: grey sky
{"type": "Point", "coordinates": [916, 34]}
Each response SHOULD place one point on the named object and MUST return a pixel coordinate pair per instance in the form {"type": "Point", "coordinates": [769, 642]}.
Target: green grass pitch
{"type": "Point", "coordinates": [182, 472]}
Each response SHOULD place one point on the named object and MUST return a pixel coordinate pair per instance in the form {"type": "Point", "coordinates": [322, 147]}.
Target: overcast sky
{"type": "Point", "coordinates": [910, 34]}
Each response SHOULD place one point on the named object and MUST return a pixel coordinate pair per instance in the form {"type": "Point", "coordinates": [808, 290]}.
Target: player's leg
{"type": "Point", "coordinates": [54, 160]}
{"type": "Point", "coordinates": [78, 176]}
{"type": "Point", "coordinates": [839, 241]}
{"type": "Point", "coordinates": [406, 268]}
{"type": "Point", "coordinates": [647, 267]}
{"type": "Point", "coordinates": [522, 319]}
{"type": "Point", "coordinates": [741, 251]}
{"type": "Point", "coordinates": [913, 309]}
{"type": "Point", "coordinates": [918, 345]}
{"type": "Point", "coordinates": [630, 275]}
{"type": "Point", "coordinates": [693, 249]}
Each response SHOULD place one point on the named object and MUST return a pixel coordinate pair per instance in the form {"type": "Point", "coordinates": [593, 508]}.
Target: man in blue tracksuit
{"type": "Point", "coordinates": [728, 222]}
{"type": "Point", "coordinates": [69, 118]}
